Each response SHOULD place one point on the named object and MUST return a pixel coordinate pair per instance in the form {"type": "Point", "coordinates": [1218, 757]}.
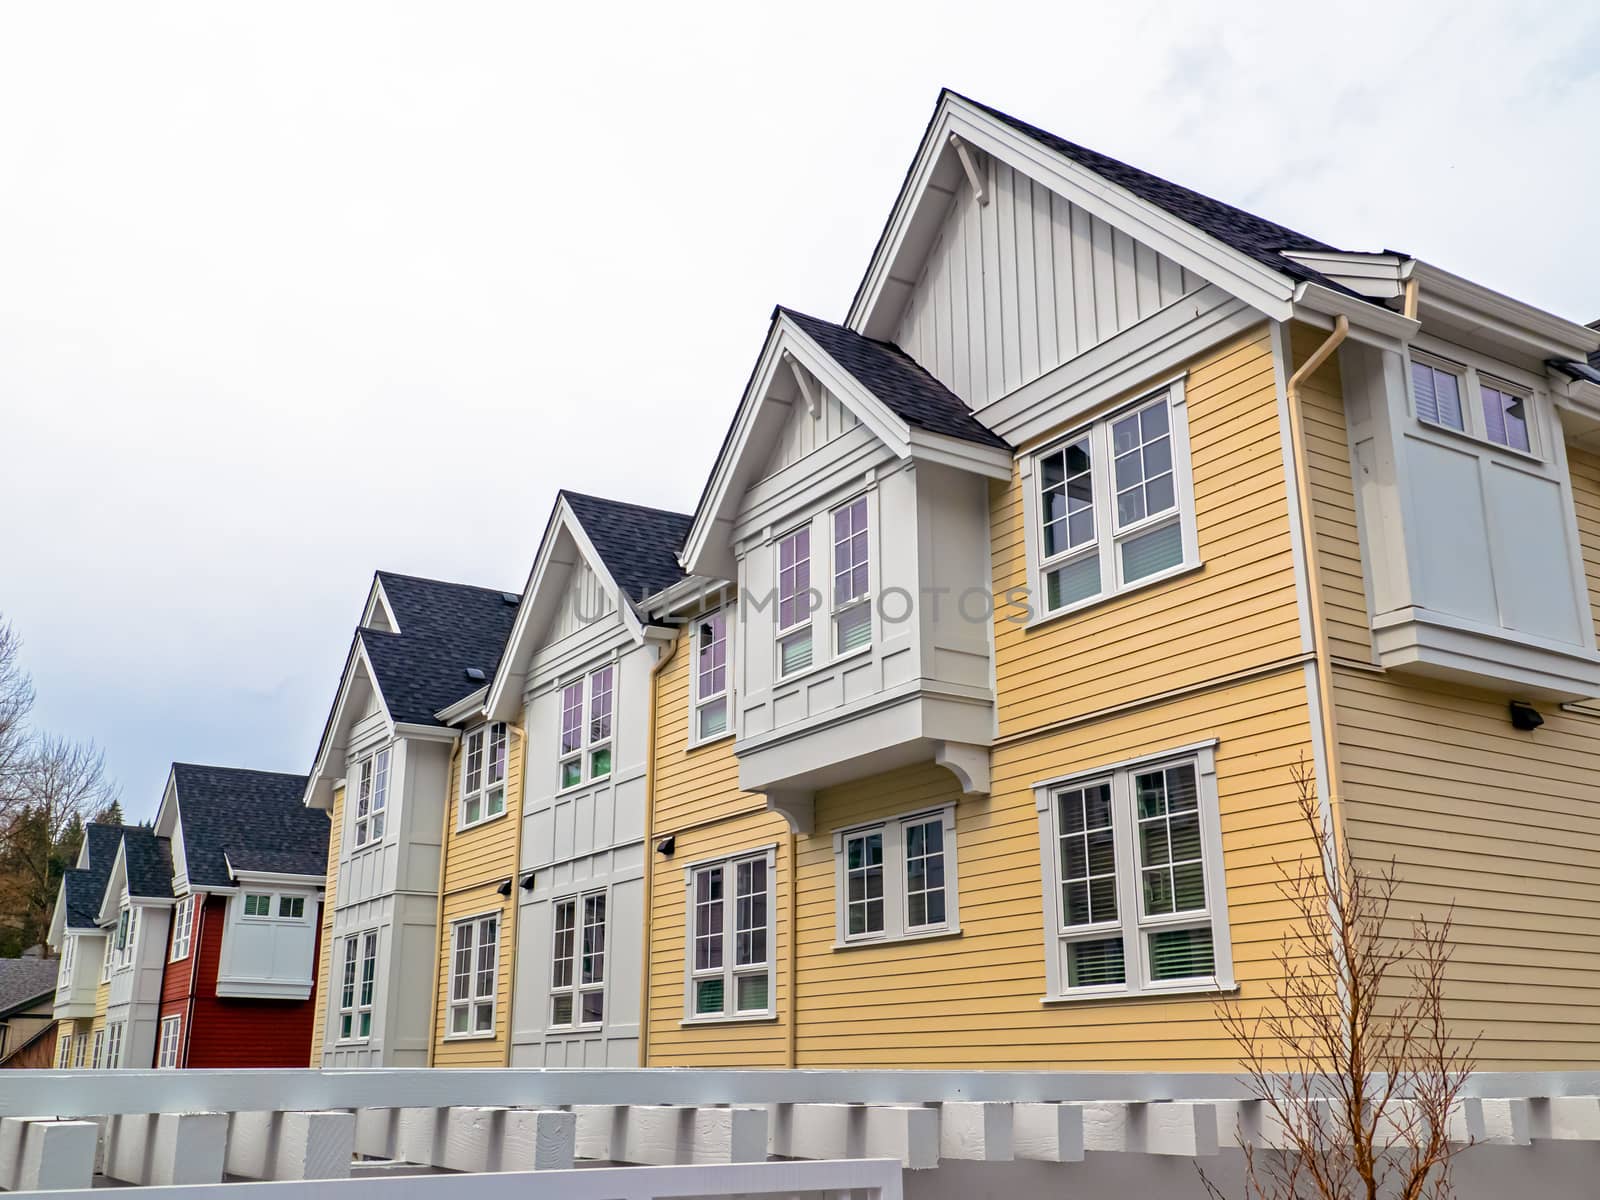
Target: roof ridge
{"type": "Point", "coordinates": [471, 587]}
{"type": "Point", "coordinates": [240, 770]}
{"type": "Point", "coordinates": [665, 512]}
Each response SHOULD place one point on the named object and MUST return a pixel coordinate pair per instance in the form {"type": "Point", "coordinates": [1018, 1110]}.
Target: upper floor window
{"type": "Point", "coordinates": [359, 975]}
{"type": "Point", "coordinates": [257, 905]}
{"type": "Point", "coordinates": [852, 607]}
{"type": "Point", "coordinates": [1112, 506]}
{"type": "Point", "coordinates": [1453, 396]}
{"type": "Point", "coordinates": [897, 878]}
{"type": "Point", "coordinates": [578, 961]}
{"type": "Point", "coordinates": [372, 797]}
{"type": "Point", "coordinates": [111, 947]}
{"type": "Point", "coordinates": [585, 752]}
{"type": "Point", "coordinates": [127, 930]}
{"type": "Point", "coordinates": [171, 1035]}
{"type": "Point", "coordinates": [261, 906]}
{"type": "Point", "coordinates": [483, 774]}
{"type": "Point", "coordinates": [794, 602]}
{"type": "Point", "coordinates": [64, 971]}
{"type": "Point", "coordinates": [730, 967]}
{"type": "Point", "coordinates": [710, 676]}
{"type": "Point", "coordinates": [474, 970]}
{"type": "Point", "coordinates": [1135, 895]}
{"type": "Point", "coordinates": [182, 923]}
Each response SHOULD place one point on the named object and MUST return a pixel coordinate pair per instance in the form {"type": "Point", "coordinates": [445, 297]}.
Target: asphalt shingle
{"type": "Point", "coordinates": [638, 545]}
{"type": "Point", "coordinates": [26, 981]}
{"type": "Point", "coordinates": [891, 375]}
{"type": "Point", "coordinates": [445, 630]}
{"type": "Point", "coordinates": [252, 819]}
{"type": "Point", "coordinates": [149, 863]}
{"type": "Point", "coordinates": [86, 886]}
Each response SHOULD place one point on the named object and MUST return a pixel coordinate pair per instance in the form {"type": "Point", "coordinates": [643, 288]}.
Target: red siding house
{"type": "Point", "coordinates": [249, 862]}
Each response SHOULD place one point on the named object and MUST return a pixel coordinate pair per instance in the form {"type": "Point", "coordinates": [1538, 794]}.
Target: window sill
{"type": "Point", "coordinates": [1071, 610]}
{"type": "Point", "coordinates": [753, 1019]}
{"type": "Point", "coordinates": [485, 1036]}
{"type": "Point", "coordinates": [1206, 987]}
{"type": "Point", "coordinates": [819, 668]}
{"type": "Point", "coordinates": [574, 1030]}
{"type": "Point", "coordinates": [482, 821]}
{"type": "Point", "coordinates": [932, 935]}
{"type": "Point", "coordinates": [711, 741]}
{"type": "Point", "coordinates": [1481, 443]}
{"type": "Point", "coordinates": [578, 787]}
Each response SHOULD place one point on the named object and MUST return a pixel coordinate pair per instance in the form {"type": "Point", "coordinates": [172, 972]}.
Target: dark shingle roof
{"type": "Point", "coordinates": [1247, 233]}
{"type": "Point", "coordinates": [86, 886]}
{"type": "Point", "coordinates": [149, 863]}
{"type": "Point", "coordinates": [25, 981]}
{"type": "Point", "coordinates": [252, 819]}
{"type": "Point", "coordinates": [889, 373]}
{"type": "Point", "coordinates": [638, 545]}
{"type": "Point", "coordinates": [445, 629]}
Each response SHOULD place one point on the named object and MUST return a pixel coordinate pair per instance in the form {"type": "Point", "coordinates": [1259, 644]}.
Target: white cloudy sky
{"type": "Point", "coordinates": [289, 292]}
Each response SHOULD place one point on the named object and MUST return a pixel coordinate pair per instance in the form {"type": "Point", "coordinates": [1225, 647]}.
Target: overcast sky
{"type": "Point", "coordinates": [290, 292]}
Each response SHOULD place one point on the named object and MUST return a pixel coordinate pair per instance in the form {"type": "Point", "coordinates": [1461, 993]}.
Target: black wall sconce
{"type": "Point", "coordinates": [527, 882]}
{"type": "Point", "coordinates": [505, 887]}
{"type": "Point", "coordinates": [667, 845]}
{"type": "Point", "coordinates": [1525, 717]}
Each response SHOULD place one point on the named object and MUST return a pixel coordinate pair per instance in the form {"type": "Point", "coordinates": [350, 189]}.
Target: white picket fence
{"type": "Point", "coordinates": [690, 1132]}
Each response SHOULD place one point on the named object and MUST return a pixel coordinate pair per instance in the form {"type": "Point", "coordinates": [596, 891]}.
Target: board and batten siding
{"type": "Point", "coordinates": [1237, 613]}
{"type": "Point", "coordinates": [698, 801]}
{"type": "Point", "coordinates": [476, 860]}
{"type": "Point", "coordinates": [805, 431]}
{"type": "Point", "coordinates": [326, 997]}
{"type": "Point", "coordinates": [1016, 287]}
{"type": "Point", "coordinates": [974, 1000]}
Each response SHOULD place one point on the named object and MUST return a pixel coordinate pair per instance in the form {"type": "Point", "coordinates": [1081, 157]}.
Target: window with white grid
{"type": "Point", "coordinates": [372, 798]}
{"type": "Point", "coordinates": [182, 925]}
{"type": "Point", "coordinates": [483, 774]}
{"type": "Point", "coordinates": [896, 878]}
{"type": "Point", "coordinates": [712, 671]}
{"type": "Point", "coordinates": [171, 1033]}
{"type": "Point", "coordinates": [729, 972]}
{"type": "Point", "coordinates": [474, 970]}
{"type": "Point", "coordinates": [794, 602]}
{"type": "Point", "coordinates": [852, 605]}
{"type": "Point", "coordinates": [584, 755]}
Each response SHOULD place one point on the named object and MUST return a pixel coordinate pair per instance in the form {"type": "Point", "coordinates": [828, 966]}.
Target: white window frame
{"type": "Point", "coordinates": [483, 741]}
{"type": "Point", "coordinates": [80, 1051]}
{"type": "Point", "coordinates": [114, 1031]}
{"type": "Point", "coordinates": [170, 1038]}
{"type": "Point", "coordinates": [64, 968]}
{"type": "Point", "coordinates": [182, 927]}
{"type": "Point", "coordinates": [896, 926]}
{"type": "Point", "coordinates": [111, 949]}
{"type": "Point", "coordinates": [729, 970]}
{"type": "Point", "coordinates": [1109, 537]}
{"type": "Point", "coordinates": [98, 1054]}
{"type": "Point", "coordinates": [572, 976]}
{"type": "Point", "coordinates": [127, 931]}
{"type": "Point", "coordinates": [371, 808]}
{"type": "Point", "coordinates": [1471, 379]}
{"type": "Point", "coordinates": [63, 1051]}
{"type": "Point", "coordinates": [1130, 921]}
{"type": "Point", "coordinates": [467, 933]}
{"type": "Point", "coordinates": [806, 624]}
{"type": "Point", "coordinates": [589, 744]}
{"type": "Point", "coordinates": [700, 701]}
{"type": "Point", "coordinates": [353, 961]}
{"type": "Point", "coordinates": [837, 609]}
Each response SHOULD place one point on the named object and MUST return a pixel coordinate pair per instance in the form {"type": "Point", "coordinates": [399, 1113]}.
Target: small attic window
{"type": "Point", "coordinates": [476, 675]}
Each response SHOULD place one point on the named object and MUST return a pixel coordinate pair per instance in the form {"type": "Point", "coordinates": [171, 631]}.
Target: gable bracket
{"type": "Point", "coordinates": [804, 383]}
{"type": "Point", "coordinates": [970, 168]}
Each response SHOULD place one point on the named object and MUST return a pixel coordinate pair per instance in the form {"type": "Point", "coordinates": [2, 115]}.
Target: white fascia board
{"type": "Point", "coordinates": [378, 600]}
{"type": "Point", "coordinates": [1543, 332]}
{"type": "Point", "coordinates": [466, 709]}
{"type": "Point", "coordinates": [425, 733]}
{"type": "Point", "coordinates": [992, 462]}
{"type": "Point", "coordinates": [1256, 284]}
{"type": "Point", "coordinates": [687, 595]}
{"type": "Point", "coordinates": [278, 878]}
{"type": "Point", "coordinates": [1319, 305]}
{"type": "Point", "coordinates": [319, 785]}
{"type": "Point", "coordinates": [784, 337]}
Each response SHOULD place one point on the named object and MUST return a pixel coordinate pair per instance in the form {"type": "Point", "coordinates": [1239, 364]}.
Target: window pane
{"type": "Point", "coordinates": [458, 1020]}
{"type": "Point", "coordinates": [561, 1010]}
{"type": "Point", "coordinates": [855, 627]}
{"type": "Point", "coordinates": [483, 1017]}
{"type": "Point", "coordinates": [850, 551]}
{"type": "Point", "coordinates": [1180, 953]}
{"type": "Point", "coordinates": [864, 883]}
{"type": "Point", "coordinates": [708, 920]}
{"type": "Point", "coordinates": [752, 992]}
{"type": "Point", "coordinates": [925, 873]}
{"type": "Point", "coordinates": [572, 773]}
{"type": "Point", "coordinates": [1095, 963]}
{"type": "Point", "coordinates": [1073, 582]}
{"type": "Point", "coordinates": [594, 939]}
{"type": "Point", "coordinates": [1151, 552]}
{"type": "Point", "coordinates": [1438, 395]}
{"type": "Point", "coordinates": [571, 717]}
{"type": "Point", "coordinates": [474, 764]}
{"type": "Point", "coordinates": [600, 763]}
{"type": "Point", "coordinates": [594, 1007]}
{"type": "Point", "coordinates": [1505, 418]}
{"type": "Point", "coordinates": [600, 705]}
{"type": "Point", "coordinates": [1066, 498]}
{"type": "Point", "coordinates": [708, 997]}
{"type": "Point", "coordinates": [1171, 861]}
{"type": "Point", "coordinates": [1087, 855]}
{"type": "Point", "coordinates": [795, 652]}
{"type": "Point", "coordinates": [750, 913]}
{"type": "Point", "coordinates": [794, 578]}
{"type": "Point", "coordinates": [714, 718]}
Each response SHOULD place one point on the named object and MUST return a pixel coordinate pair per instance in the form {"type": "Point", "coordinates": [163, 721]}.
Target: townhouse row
{"type": "Point", "coordinates": [959, 723]}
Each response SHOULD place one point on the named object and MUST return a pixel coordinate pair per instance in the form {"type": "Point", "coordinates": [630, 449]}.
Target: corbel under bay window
{"type": "Point", "coordinates": [710, 676]}
{"type": "Point", "coordinates": [483, 774]}
{"type": "Point", "coordinates": [1134, 897]}
{"type": "Point", "coordinates": [474, 973]}
{"type": "Point", "coordinates": [728, 972]}
{"type": "Point", "coordinates": [585, 750]}
{"type": "Point", "coordinates": [896, 879]}
{"type": "Point", "coordinates": [1110, 507]}
{"type": "Point", "coordinates": [372, 798]}
{"type": "Point", "coordinates": [1451, 395]}
{"type": "Point", "coordinates": [578, 962]}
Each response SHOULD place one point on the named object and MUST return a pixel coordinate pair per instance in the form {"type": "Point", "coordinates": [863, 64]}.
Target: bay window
{"type": "Point", "coordinates": [474, 972]}
{"type": "Point", "coordinates": [710, 676]}
{"type": "Point", "coordinates": [578, 962]}
{"type": "Point", "coordinates": [1134, 899]}
{"type": "Point", "coordinates": [483, 774]}
{"type": "Point", "coordinates": [585, 748]}
{"type": "Point", "coordinates": [730, 952]}
{"type": "Point", "coordinates": [896, 878]}
{"type": "Point", "coordinates": [1111, 506]}
{"type": "Point", "coordinates": [1450, 395]}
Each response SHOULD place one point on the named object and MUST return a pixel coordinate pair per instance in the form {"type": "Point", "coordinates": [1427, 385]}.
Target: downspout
{"type": "Point", "coordinates": [650, 850]}
{"type": "Point", "coordinates": [516, 870]}
{"type": "Point", "coordinates": [793, 957]}
{"type": "Point", "coordinates": [441, 947]}
{"type": "Point", "coordinates": [1322, 659]}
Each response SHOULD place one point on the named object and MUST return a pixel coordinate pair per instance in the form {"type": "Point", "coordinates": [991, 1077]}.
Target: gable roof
{"type": "Point", "coordinates": [891, 375]}
{"type": "Point", "coordinates": [638, 545]}
{"type": "Point", "coordinates": [147, 860]}
{"type": "Point", "coordinates": [246, 820]}
{"type": "Point", "coordinates": [445, 630]}
{"type": "Point", "coordinates": [84, 887]}
{"type": "Point", "coordinates": [26, 981]}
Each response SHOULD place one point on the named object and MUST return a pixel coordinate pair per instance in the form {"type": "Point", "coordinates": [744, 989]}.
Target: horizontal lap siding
{"type": "Point", "coordinates": [325, 949]}
{"type": "Point", "coordinates": [1344, 597]}
{"type": "Point", "coordinates": [973, 1000]}
{"type": "Point", "coordinates": [1238, 612]}
{"type": "Point", "coordinates": [227, 1032]}
{"type": "Point", "coordinates": [1505, 826]}
{"type": "Point", "coordinates": [1585, 469]}
{"type": "Point", "coordinates": [691, 786]}
{"type": "Point", "coordinates": [476, 861]}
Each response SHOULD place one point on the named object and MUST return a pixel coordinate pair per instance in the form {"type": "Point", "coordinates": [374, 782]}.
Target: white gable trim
{"type": "Point", "coordinates": [319, 786]}
{"type": "Point", "coordinates": [378, 603]}
{"type": "Point", "coordinates": [1262, 288]}
{"type": "Point", "coordinates": [786, 340]}
{"type": "Point", "coordinates": [504, 701]}
{"type": "Point", "coordinates": [116, 885]}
